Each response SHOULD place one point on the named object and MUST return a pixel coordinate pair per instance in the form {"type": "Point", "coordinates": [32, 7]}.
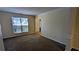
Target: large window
{"type": "Point", "coordinates": [19, 24]}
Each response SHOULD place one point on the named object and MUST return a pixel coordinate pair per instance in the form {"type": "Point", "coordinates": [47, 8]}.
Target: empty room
{"type": "Point", "coordinates": [39, 29]}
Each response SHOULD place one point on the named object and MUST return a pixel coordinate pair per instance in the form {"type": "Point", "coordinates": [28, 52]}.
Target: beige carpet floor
{"type": "Point", "coordinates": [33, 42]}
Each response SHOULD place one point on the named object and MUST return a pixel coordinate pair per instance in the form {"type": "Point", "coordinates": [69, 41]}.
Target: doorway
{"type": "Point", "coordinates": [40, 25]}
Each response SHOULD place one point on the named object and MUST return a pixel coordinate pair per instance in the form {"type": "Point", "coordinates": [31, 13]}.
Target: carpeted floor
{"type": "Point", "coordinates": [33, 42]}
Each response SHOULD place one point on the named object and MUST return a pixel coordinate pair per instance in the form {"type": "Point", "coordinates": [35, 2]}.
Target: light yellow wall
{"type": "Point", "coordinates": [31, 24]}
{"type": "Point", "coordinates": [75, 35]}
{"type": "Point", "coordinates": [7, 28]}
{"type": "Point", "coordinates": [37, 24]}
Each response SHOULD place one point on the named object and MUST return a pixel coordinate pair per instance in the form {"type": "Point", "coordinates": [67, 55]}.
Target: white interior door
{"type": "Point", "coordinates": [1, 41]}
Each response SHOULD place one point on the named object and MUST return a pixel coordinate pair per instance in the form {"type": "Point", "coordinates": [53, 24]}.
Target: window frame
{"type": "Point", "coordinates": [21, 24]}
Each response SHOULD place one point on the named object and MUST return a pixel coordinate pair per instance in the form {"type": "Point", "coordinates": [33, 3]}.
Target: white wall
{"type": "Point", "coordinates": [56, 24]}
{"type": "Point", "coordinates": [6, 24]}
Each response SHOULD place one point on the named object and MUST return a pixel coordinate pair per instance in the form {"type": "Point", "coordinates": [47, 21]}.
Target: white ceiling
{"type": "Point", "coordinates": [27, 10]}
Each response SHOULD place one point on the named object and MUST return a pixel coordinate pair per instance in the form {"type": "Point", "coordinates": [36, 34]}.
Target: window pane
{"type": "Point", "coordinates": [24, 24]}
{"type": "Point", "coordinates": [16, 24]}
